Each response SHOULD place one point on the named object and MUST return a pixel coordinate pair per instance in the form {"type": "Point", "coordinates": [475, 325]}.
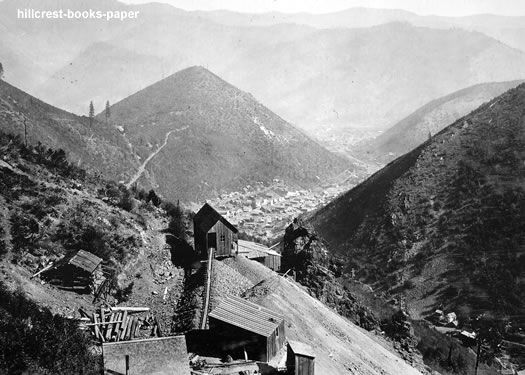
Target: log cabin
{"type": "Point", "coordinates": [79, 270]}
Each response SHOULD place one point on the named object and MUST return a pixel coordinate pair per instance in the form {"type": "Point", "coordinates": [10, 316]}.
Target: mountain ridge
{"type": "Point", "coordinates": [439, 225]}
{"type": "Point", "coordinates": [229, 139]}
{"type": "Point", "coordinates": [430, 119]}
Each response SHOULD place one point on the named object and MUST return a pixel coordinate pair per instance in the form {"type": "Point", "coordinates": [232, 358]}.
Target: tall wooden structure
{"type": "Point", "coordinates": [247, 329]}
{"type": "Point", "coordinates": [300, 359]}
{"type": "Point", "coordinates": [212, 231]}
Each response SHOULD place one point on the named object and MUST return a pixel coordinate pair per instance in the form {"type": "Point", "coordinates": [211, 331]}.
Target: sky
{"type": "Point", "coordinates": [422, 7]}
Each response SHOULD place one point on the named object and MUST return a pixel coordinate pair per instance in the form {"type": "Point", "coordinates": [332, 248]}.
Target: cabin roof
{"type": "Point", "coordinates": [207, 217]}
{"type": "Point", "coordinates": [81, 259]}
{"type": "Point", "coordinates": [253, 250]}
{"type": "Point", "coordinates": [247, 315]}
{"type": "Point", "coordinates": [300, 348]}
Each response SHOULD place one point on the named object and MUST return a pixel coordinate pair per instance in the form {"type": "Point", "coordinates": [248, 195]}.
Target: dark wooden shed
{"type": "Point", "coordinates": [244, 327]}
{"type": "Point", "coordinates": [159, 356]}
{"type": "Point", "coordinates": [212, 231]}
{"type": "Point", "coordinates": [80, 270]}
{"type": "Point", "coordinates": [300, 359]}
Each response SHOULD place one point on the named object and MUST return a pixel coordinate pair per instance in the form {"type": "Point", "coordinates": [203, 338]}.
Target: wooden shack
{"type": "Point", "coordinates": [300, 359]}
{"type": "Point", "coordinates": [247, 330]}
{"type": "Point", "coordinates": [212, 231]}
{"type": "Point", "coordinates": [260, 253]}
{"type": "Point", "coordinates": [80, 271]}
{"type": "Point", "coordinates": [159, 356]}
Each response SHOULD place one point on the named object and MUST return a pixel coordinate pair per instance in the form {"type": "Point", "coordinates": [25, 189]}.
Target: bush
{"type": "Point", "coordinates": [154, 198]}
{"type": "Point", "coordinates": [32, 340]}
{"type": "Point", "coordinates": [126, 201]}
{"type": "Point", "coordinates": [176, 226]}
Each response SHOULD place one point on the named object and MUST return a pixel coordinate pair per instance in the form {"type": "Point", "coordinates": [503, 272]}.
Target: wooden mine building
{"type": "Point", "coordinates": [260, 253]}
{"type": "Point", "coordinates": [80, 271]}
{"type": "Point", "coordinates": [212, 231]}
{"type": "Point", "coordinates": [159, 356]}
{"type": "Point", "coordinates": [300, 359]}
{"type": "Point", "coordinates": [246, 329]}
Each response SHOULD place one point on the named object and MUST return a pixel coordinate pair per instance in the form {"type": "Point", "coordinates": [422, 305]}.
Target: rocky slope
{"type": "Point", "coordinates": [215, 138]}
{"type": "Point", "coordinates": [340, 346]}
{"type": "Point", "coordinates": [442, 225]}
{"type": "Point", "coordinates": [428, 120]}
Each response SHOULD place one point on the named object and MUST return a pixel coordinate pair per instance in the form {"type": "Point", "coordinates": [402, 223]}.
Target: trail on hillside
{"type": "Point", "coordinates": [142, 167]}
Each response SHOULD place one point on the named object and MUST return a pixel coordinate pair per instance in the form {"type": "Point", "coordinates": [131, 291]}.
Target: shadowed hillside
{"type": "Point", "coordinates": [216, 138]}
{"type": "Point", "coordinates": [430, 119]}
{"type": "Point", "coordinates": [443, 224]}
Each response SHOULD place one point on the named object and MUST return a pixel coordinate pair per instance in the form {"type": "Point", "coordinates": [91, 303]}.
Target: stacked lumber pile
{"type": "Point", "coordinates": [120, 323]}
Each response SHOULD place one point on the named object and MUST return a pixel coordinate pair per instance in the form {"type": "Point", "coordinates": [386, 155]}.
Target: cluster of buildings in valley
{"type": "Point", "coordinates": [263, 211]}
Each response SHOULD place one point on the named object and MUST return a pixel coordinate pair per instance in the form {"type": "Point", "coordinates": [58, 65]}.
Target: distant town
{"type": "Point", "coordinates": [262, 210]}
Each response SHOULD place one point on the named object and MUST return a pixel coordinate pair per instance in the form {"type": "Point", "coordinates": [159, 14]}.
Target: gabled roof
{"type": "Point", "coordinates": [300, 348]}
{"type": "Point", "coordinates": [253, 250]}
{"type": "Point", "coordinates": [207, 217]}
{"type": "Point", "coordinates": [81, 259]}
{"type": "Point", "coordinates": [247, 315]}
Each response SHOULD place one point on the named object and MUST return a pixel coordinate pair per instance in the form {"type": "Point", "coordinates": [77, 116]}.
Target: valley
{"type": "Point", "coordinates": [200, 192]}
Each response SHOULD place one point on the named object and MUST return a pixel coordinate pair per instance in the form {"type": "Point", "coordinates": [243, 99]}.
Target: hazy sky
{"type": "Point", "coordinates": [438, 7]}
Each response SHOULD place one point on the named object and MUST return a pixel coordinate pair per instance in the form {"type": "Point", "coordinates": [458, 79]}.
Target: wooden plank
{"type": "Point", "coordinates": [102, 320]}
{"type": "Point", "coordinates": [117, 325]}
{"type": "Point", "coordinates": [101, 324]}
{"type": "Point", "coordinates": [130, 309]}
{"type": "Point", "coordinates": [110, 327]}
{"type": "Point", "coordinates": [124, 318]}
{"type": "Point", "coordinates": [137, 327]}
{"type": "Point", "coordinates": [83, 313]}
{"type": "Point", "coordinates": [42, 270]}
{"type": "Point", "coordinates": [127, 335]}
{"type": "Point", "coordinates": [133, 328]}
{"type": "Point", "coordinates": [98, 335]}
{"type": "Point", "coordinates": [159, 328]}
{"type": "Point", "coordinates": [124, 327]}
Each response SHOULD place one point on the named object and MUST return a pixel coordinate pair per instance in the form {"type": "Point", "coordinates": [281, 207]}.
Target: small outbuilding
{"type": "Point", "coordinates": [246, 329]}
{"type": "Point", "coordinates": [300, 359]}
{"type": "Point", "coordinates": [157, 356]}
{"type": "Point", "coordinates": [79, 270]}
{"type": "Point", "coordinates": [212, 231]}
{"type": "Point", "coordinates": [260, 253]}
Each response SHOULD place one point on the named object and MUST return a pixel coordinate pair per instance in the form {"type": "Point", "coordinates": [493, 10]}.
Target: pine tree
{"type": "Point", "coordinates": [108, 113]}
{"type": "Point", "coordinates": [1, 71]}
{"type": "Point", "coordinates": [91, 113]}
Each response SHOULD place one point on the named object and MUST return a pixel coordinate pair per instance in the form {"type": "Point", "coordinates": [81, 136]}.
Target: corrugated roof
{"type": "Point", "coordinates": [247, 315]}
{"type": "Point", "coordinates": [255, 250]}
{"type": "Point", "coordinates": [83, 259]}
{"type": "Point", "coordinates": [207, 216]}
{"type": "Point", "coordinates": [301, 348]}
